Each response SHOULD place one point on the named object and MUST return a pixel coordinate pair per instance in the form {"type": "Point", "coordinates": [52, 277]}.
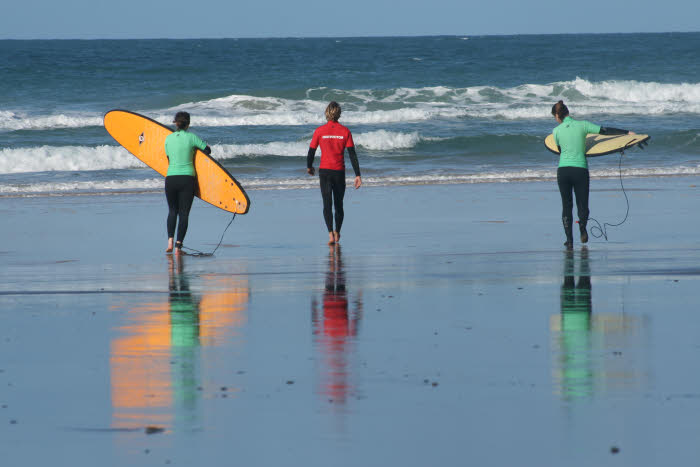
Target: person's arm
{"type": "Point", "coordinates": [350, 145]}
{"type": "Point", "coordinates": [310, 161]}
{"type": "Point", "coordinates": [606, 130]}
{"type": "Point", "coordinates": [602, 130]}
{"type": "Point", "coordinates": [354, 161]}
{"type": "Point", "coordinates": [200, 144]}
{"type": "Point", "coordinates": [313, 145]}
{"type": "Point", "coordinates": [355, 166]}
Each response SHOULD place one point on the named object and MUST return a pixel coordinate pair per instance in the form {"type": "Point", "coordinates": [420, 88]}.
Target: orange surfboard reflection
{"type": "Point", "coordinates": [155, 361]}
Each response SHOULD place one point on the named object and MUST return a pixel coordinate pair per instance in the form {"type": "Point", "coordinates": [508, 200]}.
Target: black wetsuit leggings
{"type": "Point", "coordinates": [332, 191]}
{"type": "Point", "coordinates": [179, 191]}
{"type": "Point", "coordinates": [578, 180]}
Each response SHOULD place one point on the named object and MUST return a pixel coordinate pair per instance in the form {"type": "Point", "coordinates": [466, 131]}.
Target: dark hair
{"type": "Point", "coordinates": [182, 120]}
{"type": "Point", "coordinates": [560, 110]}
{"type": "Point", "coordinates": [333, 111]}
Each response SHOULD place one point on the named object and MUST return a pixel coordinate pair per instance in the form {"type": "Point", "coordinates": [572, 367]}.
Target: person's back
{"type": "Point", "coordinates": [180, 147]}
{"type": "Point", "coordinates": [333, 138]}
{"type": "Point", "coordinates": [570, 136]}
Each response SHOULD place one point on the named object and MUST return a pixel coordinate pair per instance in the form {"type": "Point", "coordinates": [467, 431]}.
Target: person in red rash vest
{"type": "Point", "coordinates": [333, 138]}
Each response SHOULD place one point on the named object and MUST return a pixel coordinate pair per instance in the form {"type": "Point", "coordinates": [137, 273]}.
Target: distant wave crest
{"type": "Point", "coordinates": [66, 158]}
{"type": "Point", "coordinates": [105, 157]}
{"type": "Point", "coordinates": [378, 106]}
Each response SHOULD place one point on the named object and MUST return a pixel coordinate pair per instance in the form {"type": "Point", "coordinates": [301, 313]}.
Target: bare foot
{"type": "Point", "coordinates": [178, 248]}
{"type": "Point", "coordinates": [336, 236]}
{"type": "Point", "coordinates": [170, 246]}
{"type": "Point", "coordinates": [331, 238]}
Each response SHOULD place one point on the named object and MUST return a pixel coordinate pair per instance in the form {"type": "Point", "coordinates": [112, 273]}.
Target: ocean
{"type": "Point", "coordinates": [423, 110]}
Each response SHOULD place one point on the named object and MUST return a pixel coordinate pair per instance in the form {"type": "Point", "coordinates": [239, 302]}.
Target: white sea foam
{"type": "Point", "coordinates": [110, 186]}
{"type": "Point", "coordinates": [525, 101]}
{"type": "Point", "coordinates": [373, 106]}
{"type": "Point", "coordinates": [65, 158]}
{"type": "Point", "coordinates": [287, 117]}
{"type": "Point", "coordinates": [380, 140]}
{"type": "Point", "coordinates": [156, 184]}
{"type": "Point", "coordinates": [14, 121]}
{"type": "Point", "coordinates": [85, 158]}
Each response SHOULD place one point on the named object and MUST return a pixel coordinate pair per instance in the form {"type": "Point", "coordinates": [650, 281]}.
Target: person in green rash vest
{"type": "Point", "coordinates": [572, 174]}
{"type": "Point", "coordinates": [180, 148]}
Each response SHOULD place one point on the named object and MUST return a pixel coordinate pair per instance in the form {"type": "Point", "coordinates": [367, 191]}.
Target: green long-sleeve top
{"type": "Point", "coordinates": [570, 136]}
{"type": "Point", "coordinates": [180, 147]}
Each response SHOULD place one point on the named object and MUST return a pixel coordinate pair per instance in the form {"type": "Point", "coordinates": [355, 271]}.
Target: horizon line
{"type": "Point", "coordinates": [368, 36]}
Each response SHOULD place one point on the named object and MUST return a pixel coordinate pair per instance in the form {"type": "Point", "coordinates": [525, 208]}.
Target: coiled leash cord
{"type": "Point", "coordinates": [602, 230]}
{"type": "Point", "coordinates": [201, 253]}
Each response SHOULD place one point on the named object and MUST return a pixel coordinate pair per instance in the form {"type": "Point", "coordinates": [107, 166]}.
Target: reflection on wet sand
{"type": "Point", "coordinates": [335, 328]}
{"type": "Point", "coordinates": [588, 347]}
{"type": "Point", "coordinates": [155, 362]}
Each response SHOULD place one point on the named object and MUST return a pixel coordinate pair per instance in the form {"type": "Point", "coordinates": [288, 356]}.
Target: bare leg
{"type": "Point", "coordinates": [336, 236]}
{"type": "Point", "coordinates": [331, 238]}
{"type": "Point", "coordinates": [178, 248]}
{"type": "Point", "coordinates": [170, 245]}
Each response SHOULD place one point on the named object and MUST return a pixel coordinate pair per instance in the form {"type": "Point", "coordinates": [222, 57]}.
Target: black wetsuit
{"type": "Point", "coordinates": [179, 192]}
{"type": "Point", "coordinates": [332, 184]}
{"type": "Point", "coordinates": [332, 191]}
{"type": "Point", "coordinates": [574, 180]}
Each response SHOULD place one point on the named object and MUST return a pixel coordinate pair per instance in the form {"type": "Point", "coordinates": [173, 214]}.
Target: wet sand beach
{"type": "Point", "coordinates": [449, 328]}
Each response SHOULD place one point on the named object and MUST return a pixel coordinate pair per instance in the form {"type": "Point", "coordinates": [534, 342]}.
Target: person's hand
{"type": "Point", "coordinates": [358, 182]}
{"type": "Point", "coordinates": [310, 171]}
{"type": "Point", "coordinates": [631, 133]}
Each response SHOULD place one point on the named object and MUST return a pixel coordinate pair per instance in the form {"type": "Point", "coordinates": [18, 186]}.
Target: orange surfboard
{"type": "Point", "coordinates": [145, 139]}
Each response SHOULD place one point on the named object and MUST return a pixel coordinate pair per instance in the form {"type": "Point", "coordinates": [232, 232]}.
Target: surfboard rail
{"type": "Point", "coordinates": [601, 145]}
{"type": "Point", "coordinates": [144, 138]}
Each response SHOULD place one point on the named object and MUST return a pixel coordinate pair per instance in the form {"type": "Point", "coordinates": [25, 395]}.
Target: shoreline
{"type": "Point", "coordinates": [365, 183]}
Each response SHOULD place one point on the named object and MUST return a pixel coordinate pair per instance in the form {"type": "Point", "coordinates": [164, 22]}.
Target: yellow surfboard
{"type": "Point", "coordinates": [600, 145]}
{"type": "Point", "coordinates": [145, 139]}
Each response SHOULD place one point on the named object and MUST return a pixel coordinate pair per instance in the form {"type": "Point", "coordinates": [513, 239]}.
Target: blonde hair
{"type": "Point", "coordinates": [333, 111]}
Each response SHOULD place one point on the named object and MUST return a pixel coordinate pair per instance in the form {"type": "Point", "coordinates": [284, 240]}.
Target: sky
{"type": "Point", "coordinates": [132, 19]}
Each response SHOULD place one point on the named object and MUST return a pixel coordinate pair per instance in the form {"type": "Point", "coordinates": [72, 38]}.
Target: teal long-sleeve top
{"type": "Point", "coordinates": [180, 147]}
{"type": "Point", "coordinates": [570, 136]}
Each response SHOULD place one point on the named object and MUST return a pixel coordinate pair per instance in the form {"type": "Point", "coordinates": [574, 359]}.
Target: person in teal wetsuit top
{"type": "Point", "coordinates": [572, 174]}
{"type": "Point", "coordinates": [180, 148]}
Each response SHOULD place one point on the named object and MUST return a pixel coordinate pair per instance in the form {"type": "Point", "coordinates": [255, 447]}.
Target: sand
{"type": "Point", "coordinates": [450, 328]}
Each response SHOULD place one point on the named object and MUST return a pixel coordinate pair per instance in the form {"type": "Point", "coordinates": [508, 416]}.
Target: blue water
{"type": "Point", "coordinates": [422, 110]}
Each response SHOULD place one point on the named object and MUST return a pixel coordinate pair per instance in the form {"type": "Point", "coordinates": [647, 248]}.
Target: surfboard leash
{"type": "Point", "coordinates": [201, 253]}
{"type": "Point", "coordinates": [602, 230]}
